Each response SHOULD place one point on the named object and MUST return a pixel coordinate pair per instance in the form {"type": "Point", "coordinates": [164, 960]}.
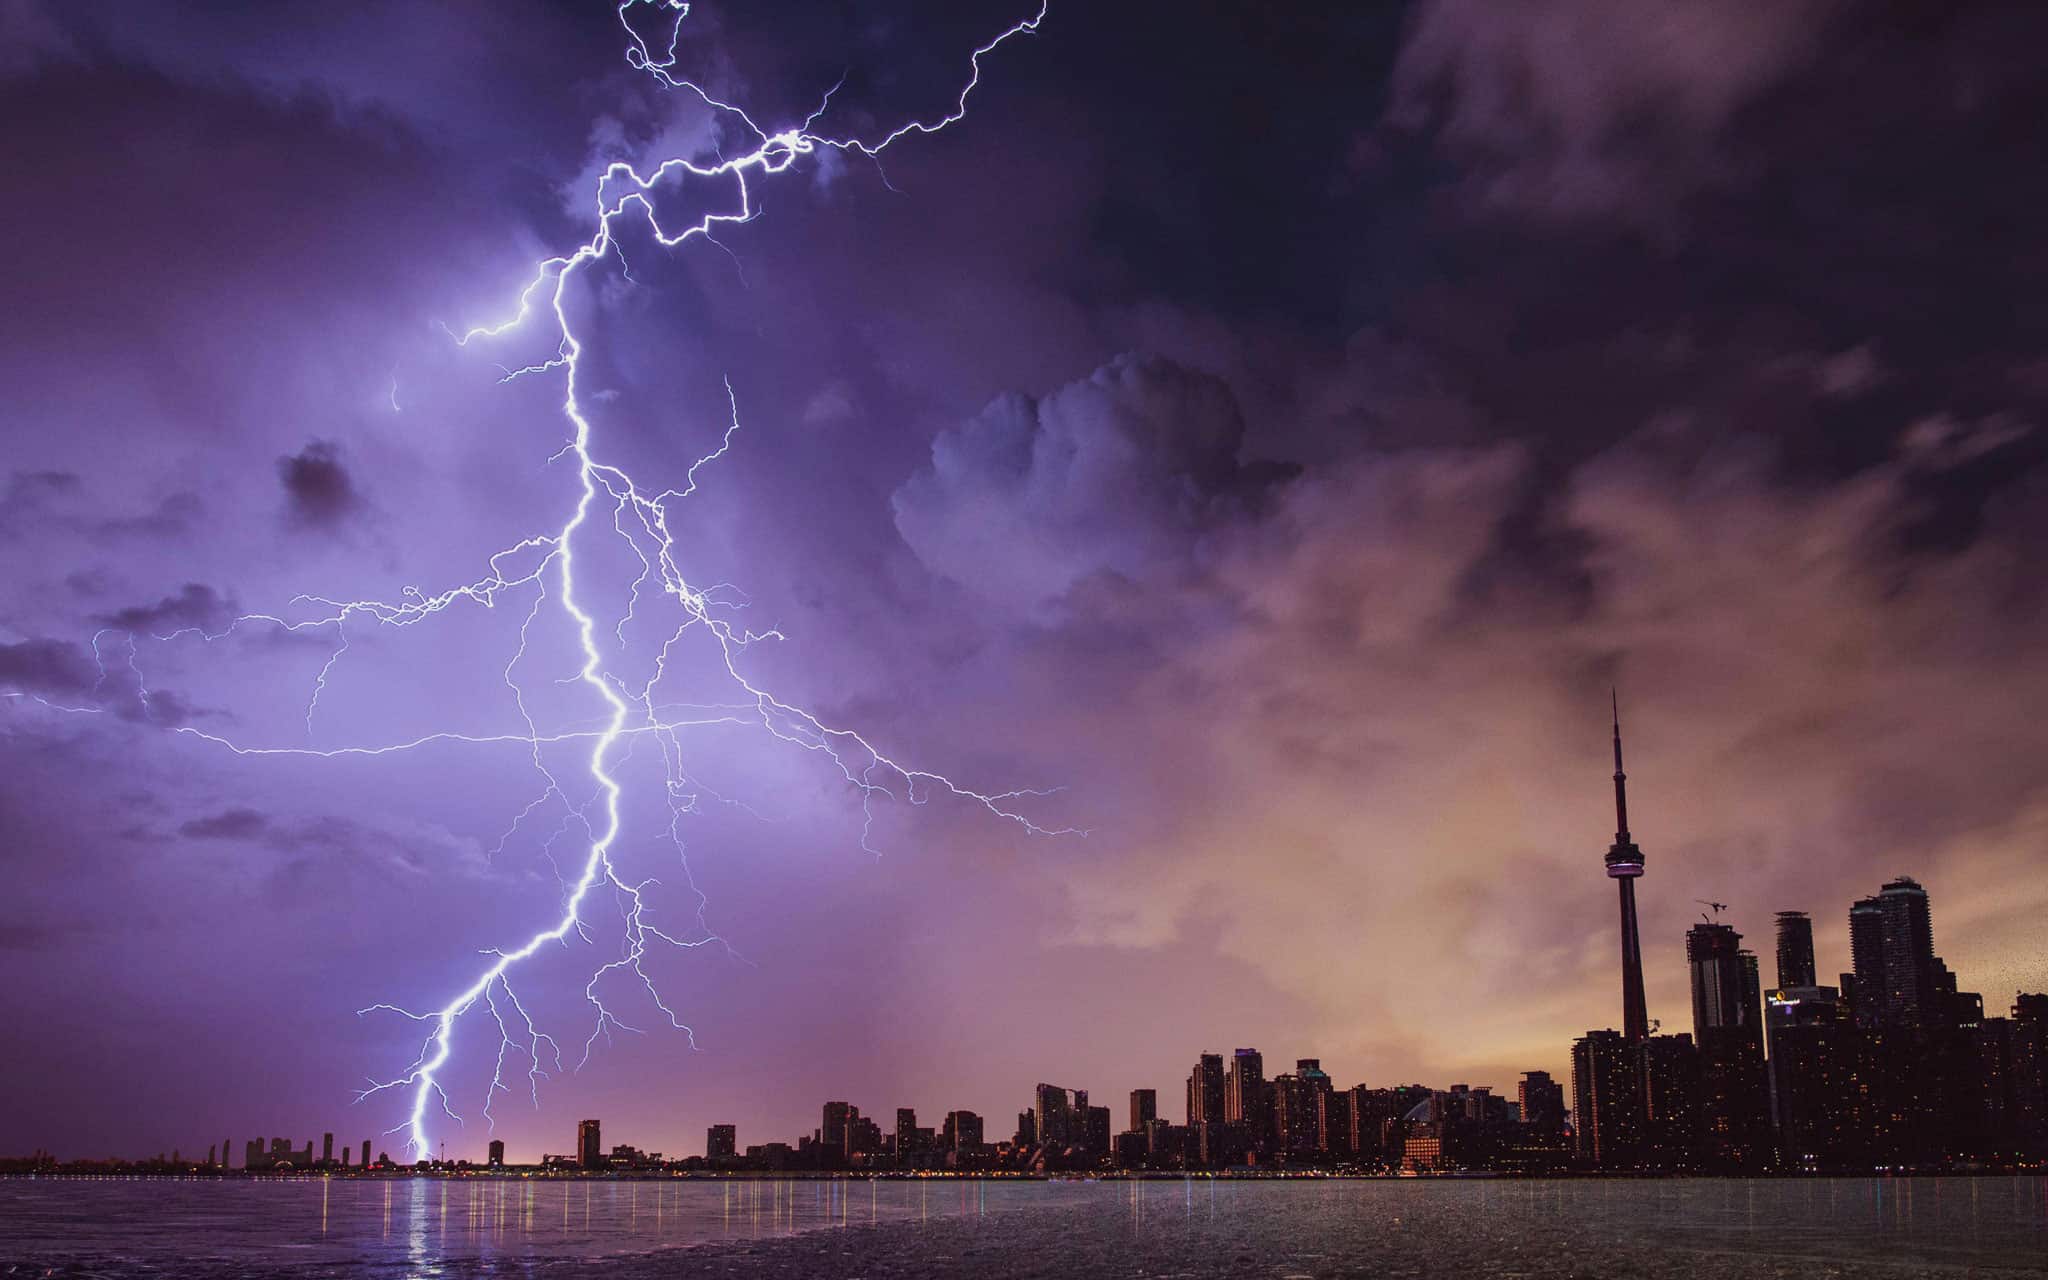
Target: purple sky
{"type": "Point", "coordinates": [1277, 432]}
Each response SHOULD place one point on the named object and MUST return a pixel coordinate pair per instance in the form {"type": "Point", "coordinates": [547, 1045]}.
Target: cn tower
{"type": "Point", "coordinates": [1624, 864]}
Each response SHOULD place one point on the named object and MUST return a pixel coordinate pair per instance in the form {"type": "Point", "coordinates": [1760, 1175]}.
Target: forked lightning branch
{"type": "Point", "coordinates": [611, 504]}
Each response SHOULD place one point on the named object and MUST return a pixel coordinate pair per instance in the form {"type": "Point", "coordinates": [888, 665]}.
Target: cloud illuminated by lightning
{"type": "Point", "coordinates": [544, 567]}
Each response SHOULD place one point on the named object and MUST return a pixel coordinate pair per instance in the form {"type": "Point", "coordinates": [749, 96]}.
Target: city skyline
{"type": "Point", "coordinates": [1262, 487]}
{"type": "Point", "coordinates": [1722, 976]}
{"type": "Point", "coordinates": [1743, 1112]}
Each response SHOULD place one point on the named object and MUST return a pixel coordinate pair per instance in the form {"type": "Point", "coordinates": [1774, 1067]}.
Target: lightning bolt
{"type": "Point", "coordinates": [541, 571]}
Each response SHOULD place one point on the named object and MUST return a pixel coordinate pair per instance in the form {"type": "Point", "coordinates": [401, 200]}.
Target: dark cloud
{"type": "Point", "coordinates": [322, 849]}
{"type": "Point", "coordinates": [47, 666]}
{"type": "Point", "coordinates": [1577, 107]}
{"type": "Point", "coordinates": [319, 492]}
{"type": "Point", "coordinates": [196, 606]}
{"type": "Point", "coordinates": [229, 824]}
{"type": "Point", "coordinates": [28, 486]}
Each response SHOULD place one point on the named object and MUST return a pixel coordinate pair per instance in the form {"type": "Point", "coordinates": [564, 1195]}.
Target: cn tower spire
{"type": "Point", "coordinates": [1625, 865]}
{"type": "Point", "coordinates": [1620, 778]}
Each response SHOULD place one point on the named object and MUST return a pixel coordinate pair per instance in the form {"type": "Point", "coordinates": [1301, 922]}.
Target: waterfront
{"type": "Point", "coordinates": [1197, 1226]}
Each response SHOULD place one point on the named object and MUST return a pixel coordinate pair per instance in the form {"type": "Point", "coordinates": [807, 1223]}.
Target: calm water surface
{"type": "Point", "coordinates": [423, 1221]}
{"type": "Point", "coordinates": [433, 1227]}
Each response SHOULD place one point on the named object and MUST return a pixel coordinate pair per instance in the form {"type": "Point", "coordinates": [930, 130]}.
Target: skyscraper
{"type": "Point", "coordinates": [1727, 1023]}
{"type": "Point", "coordinates": [366, 1153]}
{"type": "Point", "coordinates": [1866, 960]}
{"type": "Point", "coordinates": [1713, 956]}
{"type": "Point", "coordinates": [721, 1142]}
{"type": "Point", "coordinates": [1891, 941]}
{"type": "Point", "coordinates": [326, 1148]}
{"type": "Point", "coordinates": [1670, 1089]}
{"type": "Point", "coordinates": [1625, 865]}
{"type": "Point", "coordinates": [2029, 1050]}
{"type": "Point", "coordinates": [1607, 1099]}
{"type": "Point", "coordinates": [589, 1148]}
{"type": "Point", "coordinates": [1542, 1101]}
{"type": "Point", "coordinates": [1095, 1125]}
{"type": "Point", "coordinates": [1144, 1108]}
{"type": "Point", "coordinates": [496, 1153]}
{"type": "Point", "coordinates": [1205, 1091]}
{"type": "Point", "coordinates": [833, 1128]}
{"type": "Point", "coordinates": [1334, 1126]}
{"type": "Point", "coordinates": [1795, 950]}
{"type": "Point", "coordinates": [1244, 1093]}
{"type": "Point", "coordinates": [1057, 1123]}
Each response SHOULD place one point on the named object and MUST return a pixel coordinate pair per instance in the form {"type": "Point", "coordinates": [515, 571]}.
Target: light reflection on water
{"type": "Point", "coordinates": [424, 1225]}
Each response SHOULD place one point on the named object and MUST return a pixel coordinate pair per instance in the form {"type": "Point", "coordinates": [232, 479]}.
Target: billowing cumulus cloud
{"type": "Point", "coordinates": [1118, 474]}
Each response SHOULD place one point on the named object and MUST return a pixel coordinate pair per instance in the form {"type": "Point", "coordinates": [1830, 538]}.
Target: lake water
{"type": "Point", "coordinates": [404, 1227]}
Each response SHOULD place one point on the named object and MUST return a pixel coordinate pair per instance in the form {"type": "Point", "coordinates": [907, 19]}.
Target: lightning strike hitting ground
{"type": "Point", "coordinates": [545, 565]}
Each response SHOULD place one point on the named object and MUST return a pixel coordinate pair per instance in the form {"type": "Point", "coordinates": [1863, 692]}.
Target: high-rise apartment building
{"type": "Point", "coordinates": [1727, 1022]}
{"type": "Point", "coordinates": [1057, 1126]}
{"type": "Point", "coordinates": [722, 1141]}
{"type": "Point", "coordinates": [1246, 1100]}
{"type": "Point", "coordinates": [1671, 1070]}
{"type": "Point", "coordinates": [1295, 1115]}
{"type": "Point", "coordinates": [1144, 1108]}
{"type": "Point", "coordinates": [1206, 1091]}
{"type": "Point", "coordinates": [1334, 1126]}
{"type": "Point", "coordinates": [1795, 950]}
{"type": "Point", "coordinates": [834, 1127]}
{"type": "Point", "coordinates": [589, 1145]}
{"type": "Point", "coordinates": [1607, 1099]}
{"type": "Point", "coordinates": [1891, 941]}
{"type": "Point", "coordinates": [1542, 1101]}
